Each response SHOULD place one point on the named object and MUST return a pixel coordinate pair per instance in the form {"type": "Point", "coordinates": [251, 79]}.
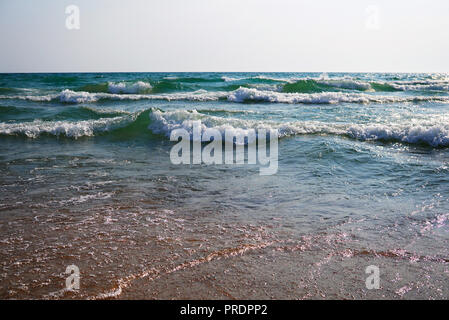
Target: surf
{"type": "Point", "coordinates": [154, 122]}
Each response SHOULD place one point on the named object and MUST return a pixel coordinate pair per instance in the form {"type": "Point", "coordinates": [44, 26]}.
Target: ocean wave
{"type": "Point", "coordinates": [165, 122]}
{"type": "Point", "coordinates": [70, 129]}
{"type": "Point", "coordinates": [425, 133]}
{"type": "Point", "coordinates": [230, 79]}
{"type": "Point", "coordinates": [434, 133]}
{"type": "Point", "coordinates": [247, 94]}
{"type": "Point", "coordinates": [310, 85]}
{"type": "Point", "coordinates": [35, 98]}
{"type": "Point", "coordinates": [429, 86]}
{"type": "Point", "coordinates": [347, 84]}
{"type": "Point", "coordinates": [324, 83]}
{"type": "Point", "coordinates": [315, 86]}
{"type": "Point", "coordinates": [69, 96]}
{"type": "Point", "coordinates": [239, 95]}
{"type": "Point", "coordinates": [194, 79]}
{"type": "Point", "coordinates": [258, 78]}
{"type": "Point", "coordinates": [261, 82]}
{"type": "Point", "coordinates": [125, 87]}
{"type": "Point", "coordinates": [435, 136]}
{"type": "Point", "coordinates": [13, 111]}
{"type": "Point", "coordinates": [13, 90]}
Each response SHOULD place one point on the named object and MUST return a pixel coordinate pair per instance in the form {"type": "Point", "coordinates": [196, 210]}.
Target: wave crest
{"type": "Point", "coordinates": [247, 94]}
{"type": "Point", "coordinates": [124, 87]}
{"type": "Point", "coordinates": [70, 129]}
{"type": "Point", "coordinates": [436, 135]}
{"type": "Point", "coordinates": [154, 121]}
{"type": "Point", "coordinates": [239, 95]}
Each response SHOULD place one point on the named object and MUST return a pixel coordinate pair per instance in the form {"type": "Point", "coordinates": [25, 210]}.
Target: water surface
{"type": "Point", "coordinates": [86, 179]}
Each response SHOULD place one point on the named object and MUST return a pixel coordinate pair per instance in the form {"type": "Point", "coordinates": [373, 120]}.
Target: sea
{"type": "Point", "coordinates": [357, 209]}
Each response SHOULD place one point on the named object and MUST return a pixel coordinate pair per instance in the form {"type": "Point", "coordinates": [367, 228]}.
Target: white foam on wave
{"type": "Point", "coordinates": [433, 131]}
{"type": "Point", "coordinates": [124, 87]}
{"type": "Point", "coordinates": [420, 86]}
{"type": "Point", "coordinates": [357, 84]}
{"type": "Point", "coordinates": [347, 84]}
{"type": "Point", "coordinates": [69, 96]}
{"type": "Point", "coordinates": [249, 94]}
{"type": "Point", "coordinates": [165, 122]}
{"type": "Point", "coordinates": [258, 77]}
{"type": "Point", "coordinates": [77, 97]}
{"type": "Point", "coordinates": [239, 95]}
{"type": "Point", "coordinates": [439, 83]}
{"type": "Point", "coordinates": [366, 85]}
{"type": "Point", "coordinates": [36, 98]}
{"type": "Point", "coordinates": [69, 129]}
{"type": "Point", "coordinates": [230, 79]}
{"type": "Point", "coordinates": [434, 134]}
{"type": "Point", "coordinates": [263, 77]}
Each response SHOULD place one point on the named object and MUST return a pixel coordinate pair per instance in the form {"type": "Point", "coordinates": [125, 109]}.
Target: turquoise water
{"type": "Point", "coordinates": [86, 179]}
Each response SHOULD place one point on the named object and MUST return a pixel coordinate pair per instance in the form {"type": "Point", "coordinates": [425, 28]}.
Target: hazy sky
{"type": "Point", "coordinates": [225, 35]}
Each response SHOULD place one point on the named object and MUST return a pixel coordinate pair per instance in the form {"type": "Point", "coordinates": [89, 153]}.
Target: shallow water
{"type": "Point", "coordinates": [86, 179]}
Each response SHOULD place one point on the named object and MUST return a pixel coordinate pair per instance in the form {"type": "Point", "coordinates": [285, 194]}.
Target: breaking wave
{"type": "Point", "coordinates": [61, 128]}
{"type": "Point", "coordinates": [123, 87]}
{"type": "Point", "coordinates": [316, 85]}
{"type": "Point", "coordinates": [118, 87]}
{"type": "Point", "coordinates": [324, 84]}
{"type": "Point", "coordinates": [249, 94]}
{"type": "Point", "coordinates": [436, 135]}
{"type": "Point", "coordinates": [239, 95]}
{"type": "Point", "coordinates": [155, 121]}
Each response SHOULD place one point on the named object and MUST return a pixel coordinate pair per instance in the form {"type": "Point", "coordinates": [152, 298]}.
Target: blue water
{"type": "Point", "coordinates": [86, 179]}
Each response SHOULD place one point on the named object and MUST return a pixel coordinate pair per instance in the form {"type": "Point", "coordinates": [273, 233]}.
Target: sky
{"type": "Point", "coordinates": [225, 35]}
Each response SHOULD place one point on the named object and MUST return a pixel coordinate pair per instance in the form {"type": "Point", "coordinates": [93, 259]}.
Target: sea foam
{"type": "Point", "coordinates": [435, 135]}
{"type": "Point", "coordinates": [239, 95]}
{"type": "Point", "coordinates": [433, 132]}
{"type": "Point", "coordinates": [65, 128]}
{"type": "Point", "coordinates": [123, 87]}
